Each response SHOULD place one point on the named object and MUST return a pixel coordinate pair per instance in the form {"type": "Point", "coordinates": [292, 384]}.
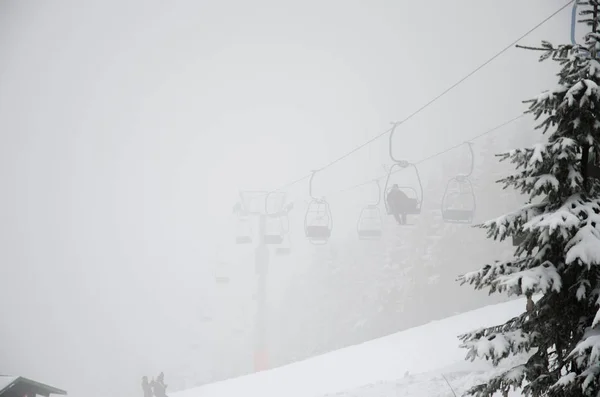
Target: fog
{"type": "Point", "coordinates": [127, 129]}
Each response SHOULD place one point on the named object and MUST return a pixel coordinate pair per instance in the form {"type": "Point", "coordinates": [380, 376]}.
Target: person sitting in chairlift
{"type": "Point", "coordinates": [397, 203]}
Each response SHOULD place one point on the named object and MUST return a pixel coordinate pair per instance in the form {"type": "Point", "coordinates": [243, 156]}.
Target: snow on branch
{"type": "Point", "coordinates": [587, 355]}
{"type": "Point", "coordinates": [567, 219]}
{"type": "Point", "coordinates": [561, 220]}
{"type": "Point", "coordinates": [512, 378]}
{"type": "Point", "coordinates": [544, 167]}
{"type": "Point", "coordinates": [574, 177]}
{"type": "Point", "coordinates": [564, 381]}
{"type": "Point", "coordinates": [584, 89]}
{"type": "Point", "coordinates": [594, 68]}
{"type": "Point", "coordinates": [542, 278]}
{"type": "Point", "coordinates": [584, 247]}
{"type": "Point", "coordinates": [551, 95]}
{"type": "Point", "coordinates": [498, 346]}
{"type": "Point", "coordinates": [546, 181]}
{"type": "Point", "coordinates": [490, 275]}
{"type": "Point", "coordinates": [590, 376]}
{"type": "Point", "coordinates": [596, 321]}
{"type": "Point", "coordinates": [509, 224]}
{"type": "Point", "coordinates": [572, 384]}
{"type": "Point", "coordinates": [591, 343]}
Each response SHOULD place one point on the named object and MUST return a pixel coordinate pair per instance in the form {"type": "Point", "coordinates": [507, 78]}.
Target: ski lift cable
{"type": "Point", "coordinates": [453, 86]}
{"type": "Point", "coordinates": [430, 102]}
{"type": "Point", "coordinates": [489, 131]}
{"type": "Point", "coordinates": [309, 175]}
{"type": "Point", "coordinates": [493, 129]}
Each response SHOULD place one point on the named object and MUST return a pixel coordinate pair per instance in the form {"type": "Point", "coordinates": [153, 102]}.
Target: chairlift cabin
{"type": "Point", "coordinates": [370, 224]}
{"type": "Point", "coordinates": [410, 206]}
{"type": "Point", "coordinates": [273, 230]}
{"type": "Point", "coordinates": [275, 227]}
{"type": "Point", "coordinates": [410, 198]}
{"type": "Point", "coordinates": [413, 201]}
{"type": "Point", "coordinates": [458, 202]}
{"type": "Point", "coordinates": [222, 272]}
{"type": "Point", "coordinates": [244, 230]}
{"type": "Point", "coordinates": [254, 203]}
{"type": "Point", "coordinates": [318, 221]}
{"type": "Point", "coordinates": [285, 248]}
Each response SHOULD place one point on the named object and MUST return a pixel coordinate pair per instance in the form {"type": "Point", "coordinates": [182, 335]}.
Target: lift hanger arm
{"type": "Point", "coordinates": [310, 185]}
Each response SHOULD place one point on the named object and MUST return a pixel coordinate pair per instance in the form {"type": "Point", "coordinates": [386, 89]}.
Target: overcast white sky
{"type": "Point", "coordinates": [127, 127]}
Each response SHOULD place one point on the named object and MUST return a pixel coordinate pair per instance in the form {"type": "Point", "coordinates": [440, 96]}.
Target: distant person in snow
{"type": "Point", "coordinates": [146, 387]}
{"type": "Point", "coordinates": [160, 389]}
{"type": "Point", "coordinates": [397, 203]}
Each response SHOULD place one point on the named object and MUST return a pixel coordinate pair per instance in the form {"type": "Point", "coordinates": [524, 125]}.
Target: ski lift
{"type": "Point", "coordinates": [369, 225]}
{"type": "Point", "coordinates": [574, 22]}
{"type": "Point", "coordinates": [222, 270]}
{"type": "Point", "coordinates": [251, 203]}
{"type": "Point", "coordinates": [285, 248]}
{"type": "Point", "coordinates": [583, 50]}
{"type": "Point", "coordinates": [222, 277]}
{"type": "Point", "coordinates": [458, 202]}
{"type": "Point", "coordinates": [244, 230]}
{"type": "Point", "coordinates": [274, 231]}
{"type": "Point", "coordinates": [318, 221]}
{"type": "Point", "coordinates": [412, 205]}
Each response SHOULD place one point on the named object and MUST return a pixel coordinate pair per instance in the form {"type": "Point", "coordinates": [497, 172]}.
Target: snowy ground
{"type": "Point", "coordinates": [438, 383]}
{"type": "Point", "coordinates": [410, 363]}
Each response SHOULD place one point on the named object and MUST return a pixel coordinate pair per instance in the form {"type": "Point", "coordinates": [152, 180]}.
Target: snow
{"type": "Point", "coordinates": [594, 68]}
{"type": "Point", "coordinates": [546, 180]}
{"type": "Point", "coordinates": [597, 317]}
{"type": "Point", "coordinates": [581, 290]}
{"type": "Point", "coordinates": [565, 380]}
{"type": "Point", "coordinates": [508, 222]}
{"type": "Point", "coordinates": [585, 246]}
{"type": "Point", "coordinates": [589, 88]}
{"type": "Point", "coordinates": [540, 278]}
{"type": "Point", "coordinates": [560, 219]}
{"type": "Point", "coordinates": [551, 94]}
{"type": "Point", "coordinates": [499, 344]}
{"type": "Point", "coordinates": [537, 156]}
{"type": "Point", "coordinates": [422, 385]}
{"type": "Point", "coordinates": [591, 342]}
{"type": "Point", "coordinates": [380, 367]}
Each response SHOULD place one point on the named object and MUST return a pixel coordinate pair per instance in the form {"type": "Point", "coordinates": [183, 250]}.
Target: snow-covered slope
{"type": "Point", "coordinates": [417, 359]}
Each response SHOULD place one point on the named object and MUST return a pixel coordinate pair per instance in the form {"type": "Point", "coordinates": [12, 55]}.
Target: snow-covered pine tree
{"type": "Point", "coordinates": [558, 336]}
